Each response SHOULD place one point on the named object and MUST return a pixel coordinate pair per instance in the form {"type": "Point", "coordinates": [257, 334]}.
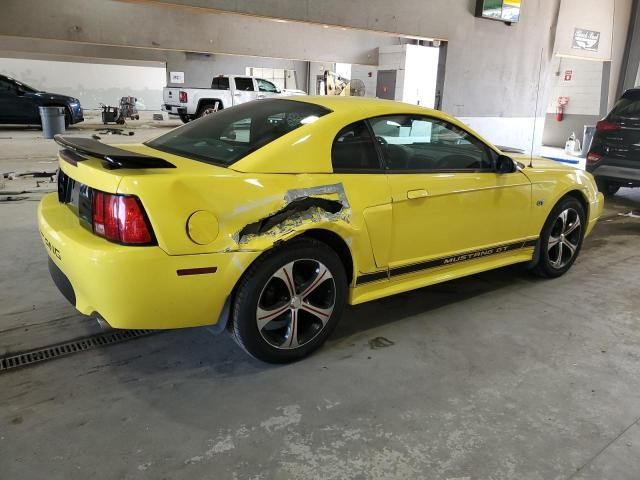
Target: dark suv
{"type": "Point", "coordinates": [614, 156]}
{"type": "Point", "coordinates": [19, 103]}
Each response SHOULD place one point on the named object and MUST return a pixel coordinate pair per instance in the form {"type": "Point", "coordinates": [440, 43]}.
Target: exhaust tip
{"type": "Point", "coordinates": [104, 325]}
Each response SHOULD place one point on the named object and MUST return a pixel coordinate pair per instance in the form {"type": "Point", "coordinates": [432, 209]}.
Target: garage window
{"type": "Point", "coordinates": [354, 150]}
{"type": "Point", "coordinates": [416, 143]}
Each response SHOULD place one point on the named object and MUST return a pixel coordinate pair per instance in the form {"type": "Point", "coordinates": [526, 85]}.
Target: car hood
{"type": "Point", "coordinates": [541, 163]}
{"type": "Point", "coordinates": [56, 97]}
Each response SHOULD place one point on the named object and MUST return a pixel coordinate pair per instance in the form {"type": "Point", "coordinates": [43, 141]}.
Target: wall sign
{"type": "Point", "coordinates": [176, 77]}
{"type": "Point", "coordinates": [586, 40]}
{"type": "Point", "coordinates": [568, 75]}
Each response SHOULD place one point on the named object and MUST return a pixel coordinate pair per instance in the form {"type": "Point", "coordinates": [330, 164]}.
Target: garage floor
{"type": "Point", "coordinates": [497, 376]}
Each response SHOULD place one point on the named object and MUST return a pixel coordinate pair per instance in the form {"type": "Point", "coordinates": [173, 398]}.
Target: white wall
{"type": "Point", "coordinates": [90, 83]}
{"type": "Point", "coordinates": [584, 89]}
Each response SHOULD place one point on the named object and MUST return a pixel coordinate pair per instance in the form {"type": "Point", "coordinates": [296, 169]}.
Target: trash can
{"type": "Point", "coordinates": [52, 121]}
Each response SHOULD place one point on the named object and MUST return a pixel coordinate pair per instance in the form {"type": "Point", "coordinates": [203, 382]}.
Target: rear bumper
{"type": "Point", "coordinates": [134, 287]}
{"type": "Point", "coordinates": [174, 110]}
{"type": "Point", "coordinates": [613, 172]}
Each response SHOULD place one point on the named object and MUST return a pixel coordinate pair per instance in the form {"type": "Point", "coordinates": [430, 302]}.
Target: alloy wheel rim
{"type": "Point", "coordinates": [295, 304]}
{"type": "Point", "coordinates": [564, 238]}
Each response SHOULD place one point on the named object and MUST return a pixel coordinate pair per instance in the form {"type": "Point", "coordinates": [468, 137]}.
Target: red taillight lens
{"type": "Point", "coordinates": [183, 97]}
{"type": "Point", "coordinates": [120, 218]}
{"type": "Point", "coordinates": [606, 126]}
{"type": "Point", "coordinates": [593, 157]}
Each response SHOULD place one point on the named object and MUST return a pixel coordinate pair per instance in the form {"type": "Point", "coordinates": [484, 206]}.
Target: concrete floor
{"type": "Point", "coordinates": [497, 376]}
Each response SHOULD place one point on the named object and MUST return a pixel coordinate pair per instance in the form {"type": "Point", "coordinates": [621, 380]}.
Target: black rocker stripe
{"type": "Point", "coordinates": [439, 262]}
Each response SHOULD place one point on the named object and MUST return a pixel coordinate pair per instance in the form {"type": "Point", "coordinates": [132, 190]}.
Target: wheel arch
{"type": "Point", "coordinates": [337, 244]}
{"type": "Point", "coordinates": [580, 196]}
{"type": "Point", "coordinates": [206, 101]}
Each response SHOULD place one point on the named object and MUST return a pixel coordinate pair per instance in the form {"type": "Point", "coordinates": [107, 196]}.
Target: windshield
{"type": "Point", "coordinates": [224, 137]}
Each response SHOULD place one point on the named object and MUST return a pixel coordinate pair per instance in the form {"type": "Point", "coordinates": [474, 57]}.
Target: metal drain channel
{"type": "Point", "coordinates": [52, 352]}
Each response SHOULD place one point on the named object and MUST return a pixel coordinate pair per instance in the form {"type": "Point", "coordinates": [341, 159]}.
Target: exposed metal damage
{"type": "Point", "coordinates": [326, 203]}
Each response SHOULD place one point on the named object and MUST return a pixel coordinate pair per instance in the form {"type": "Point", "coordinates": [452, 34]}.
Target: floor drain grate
{"type": "Point", "coordinates": [52, 352]}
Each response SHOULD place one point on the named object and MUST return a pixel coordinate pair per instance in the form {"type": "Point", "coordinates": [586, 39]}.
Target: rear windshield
{"type": "Point", "coordinates": [224, 137]}
{"type": "Point", "coordinates": [628, 107]}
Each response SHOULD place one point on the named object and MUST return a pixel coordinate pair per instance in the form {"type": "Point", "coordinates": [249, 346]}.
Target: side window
{"type": "Point", "coordinates": [265, 86]}
{"type": "Point", "coordinates": [411, 142]}
{"type": "Point", "coordinates": [354, 149]}
{"type": "Point", "coordinates": [220, 83]}
{"type": "Point", "coordinates": [237, 132]}
{"type": "Point", "coordinates": [6, 86]}
{"type": "Point", "coordinates": [244, 84]}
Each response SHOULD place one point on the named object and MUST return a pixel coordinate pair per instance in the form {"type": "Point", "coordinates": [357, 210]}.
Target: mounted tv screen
{"type": "Point", "coordinates": [502, 10]}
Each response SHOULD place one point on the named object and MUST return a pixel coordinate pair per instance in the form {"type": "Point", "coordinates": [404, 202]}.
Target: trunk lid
{"type": "Point", "coordinates": [171, 96]}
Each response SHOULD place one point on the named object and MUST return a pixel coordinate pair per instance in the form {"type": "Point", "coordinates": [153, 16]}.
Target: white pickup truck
{"type": "Point", "coordinates": [225, 91]}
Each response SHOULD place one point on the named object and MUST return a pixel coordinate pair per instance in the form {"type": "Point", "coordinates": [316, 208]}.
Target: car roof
{"type": "Point", "coordinates": [365, 105]}
{"type": "Point", "coordinates": [318, 136]}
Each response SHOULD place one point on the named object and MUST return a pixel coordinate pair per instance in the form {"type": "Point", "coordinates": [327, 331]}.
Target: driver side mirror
{"type": "Point", "coordinates": [19, 91]}
{"type": "Point", "coordinates": [505, 164]}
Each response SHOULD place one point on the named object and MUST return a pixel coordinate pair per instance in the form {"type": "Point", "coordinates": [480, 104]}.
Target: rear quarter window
{"type": "Point", "coordinates": [227, 136]}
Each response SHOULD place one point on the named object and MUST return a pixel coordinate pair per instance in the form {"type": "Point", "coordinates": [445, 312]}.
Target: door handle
{"type": "Point", "coordinates": [261, 95]}
{"type": "Point", "coordinates": [236, 94]}
{"type": "Point", "coordinates": [420, 193]}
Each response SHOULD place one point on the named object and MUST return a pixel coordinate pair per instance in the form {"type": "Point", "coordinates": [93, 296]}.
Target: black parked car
{"type": "Point", "coordinates": [19, 103]}
{"type": "Point", "coordinates": [614, 156]}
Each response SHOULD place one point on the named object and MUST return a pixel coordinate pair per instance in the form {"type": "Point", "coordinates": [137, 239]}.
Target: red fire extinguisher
{"type": "Point", "coordinates": [562, 102]}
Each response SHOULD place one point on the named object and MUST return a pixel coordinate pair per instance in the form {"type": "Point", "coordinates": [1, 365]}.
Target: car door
{"type": "Point", "coordinates": [9, 102]}
{"type": "Point", "coordinates": [358, 168]}
{"type": "Point", "coordinates": [447, 197]}
{"type": "Point", "coordinates": [266, 89]}
{"type": "Point", "coordinates": [245, 90]}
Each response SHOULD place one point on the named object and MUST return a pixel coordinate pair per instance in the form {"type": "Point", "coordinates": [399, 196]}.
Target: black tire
{"type": "Point", "coordinates": [208, 108]}
{"type": "Point", "coordinates": [185, 118]}
{"type": "Point", "coordinates": [255, 284]}
{"type": "Point", "coordinates": [67, 118]}
{"type": "Point", "coordinates": [607, 188]}
{"type": "Point", "coordinates": [554, 244]}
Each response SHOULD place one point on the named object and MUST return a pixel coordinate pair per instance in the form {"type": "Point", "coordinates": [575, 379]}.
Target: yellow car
{"type": "Point", "coordinates": [266, 218]}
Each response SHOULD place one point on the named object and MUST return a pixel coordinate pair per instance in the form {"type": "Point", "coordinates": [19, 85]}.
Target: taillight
{"type": "Point", "coordinates": [183, 97]}
{"type": "Point", "coordinates": [607, 126]}
{"type": "Point", "coordinates": [593, 157]}
{"type": "Point", "coordinates": [121, 219]}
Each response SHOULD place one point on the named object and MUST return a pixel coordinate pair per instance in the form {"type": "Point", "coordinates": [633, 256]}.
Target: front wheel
{"type": "Point", "coordinates": [561, 238]}
{"type": "Point", "coordinates": [289, 301]}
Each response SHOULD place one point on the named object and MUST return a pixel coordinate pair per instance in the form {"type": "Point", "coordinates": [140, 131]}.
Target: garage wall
{"type": "Point", "coordinates": [199, 69]}
{"type": "Point", "coordinates": [90, 83]}
{"type": "Point", "coordinates": [581, 81]}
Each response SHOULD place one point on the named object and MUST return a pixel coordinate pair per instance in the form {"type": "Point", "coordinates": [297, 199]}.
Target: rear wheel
{"type": "Point", "coordinates": [289, 301]}
{"type": "Point", "coordinates": [561, 238]}
{"type": "Point", "coordinates": [185, 118]}
{"type": "Point", "coordinates": [208, 109]}
{"type": "Point", "coordinates": [606, 187]}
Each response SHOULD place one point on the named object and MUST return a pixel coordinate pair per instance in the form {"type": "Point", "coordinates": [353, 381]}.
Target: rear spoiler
{"type": "Point", "coordinates": [114, 156]}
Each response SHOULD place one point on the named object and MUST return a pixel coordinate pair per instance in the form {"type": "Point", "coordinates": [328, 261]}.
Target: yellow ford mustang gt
{"type": "Point", "coordinates": [266, 218]}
